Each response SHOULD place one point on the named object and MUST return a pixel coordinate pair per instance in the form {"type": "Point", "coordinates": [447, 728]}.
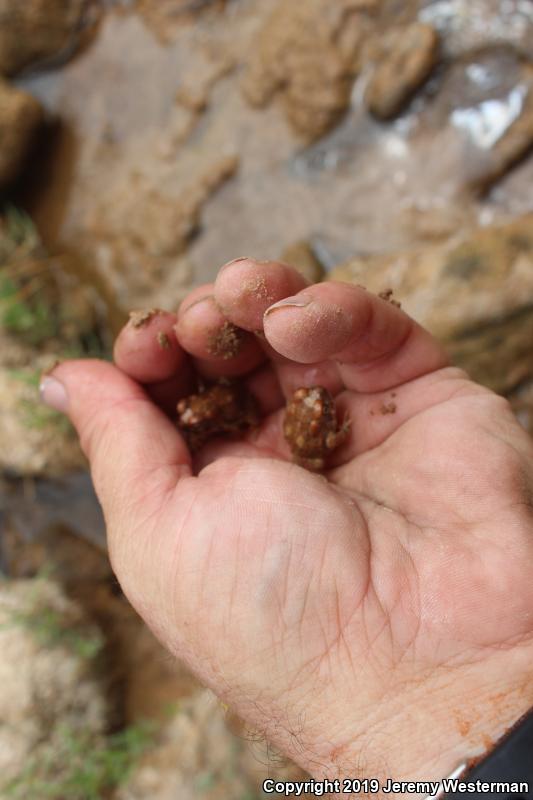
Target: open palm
{"type": "Point", "coordinates": [337, 610]}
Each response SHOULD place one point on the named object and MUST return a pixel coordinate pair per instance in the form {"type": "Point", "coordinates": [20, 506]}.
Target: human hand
{"type": "Point", "coordinates": [373, 621]}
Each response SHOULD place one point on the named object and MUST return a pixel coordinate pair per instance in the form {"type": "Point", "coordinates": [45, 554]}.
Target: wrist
{"type": "Point", "coordinates": [425, 731]}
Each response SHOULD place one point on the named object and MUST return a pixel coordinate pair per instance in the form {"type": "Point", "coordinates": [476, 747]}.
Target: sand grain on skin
{"type": "Point", "coordinates": [139, 319]}
{"type": "Point", "coordinates": [163, 340]}
{"type": "Point", "coordinates": [225, 342]}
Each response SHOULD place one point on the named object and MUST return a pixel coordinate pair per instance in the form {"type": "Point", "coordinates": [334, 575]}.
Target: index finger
{"type": "Point", "coordinates": [377, 345]}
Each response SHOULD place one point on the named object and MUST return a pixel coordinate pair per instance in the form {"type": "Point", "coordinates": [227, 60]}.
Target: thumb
{"type": "Point", "coordinates": [136, 455]}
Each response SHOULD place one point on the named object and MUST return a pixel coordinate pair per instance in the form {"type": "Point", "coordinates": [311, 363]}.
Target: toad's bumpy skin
{"type": "Point", "coordinates": [311, 428]}
{"type": "Point", "coordinates": [221, 409]}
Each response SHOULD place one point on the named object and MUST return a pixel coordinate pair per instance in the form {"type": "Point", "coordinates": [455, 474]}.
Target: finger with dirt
{"type": "Point", "coordinates": [375, 344]}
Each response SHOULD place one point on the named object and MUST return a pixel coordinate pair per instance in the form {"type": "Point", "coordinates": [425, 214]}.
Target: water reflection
{"type": "Point", "coordinates": [487, 122]}
{"type": "Point", "coordinates": [467, 24]}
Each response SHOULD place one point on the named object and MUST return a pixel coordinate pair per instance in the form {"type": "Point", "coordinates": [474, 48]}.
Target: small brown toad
{"type": "Point", "coordinates": [311, 428]}
{"type": "Point", "coordinates": [226, 407]}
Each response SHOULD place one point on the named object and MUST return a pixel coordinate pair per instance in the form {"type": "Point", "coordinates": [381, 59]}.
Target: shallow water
{"type": "Point", "coordinates": [360, 189]}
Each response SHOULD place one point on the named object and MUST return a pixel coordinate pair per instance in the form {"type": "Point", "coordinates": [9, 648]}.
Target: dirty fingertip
{"type": "Point", "coordinates": [245, 288]}
{"type": "Point", "coordinates": [147, 349]}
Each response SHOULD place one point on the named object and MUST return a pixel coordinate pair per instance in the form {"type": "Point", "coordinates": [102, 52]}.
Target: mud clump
{"type": "Point", "coordinates": [163, 340]}
{"type": "Point", "coordinates": [226, 341]}
{"type": "Point", "coordinates": [21, 116]}
{"type": "Point", "coordinates": [387, 295]}
{"type": "Point", "coordinates": [139, 319]}
{"type": "Point", "coordinates": [405, 57]}
{"type": "Point", "coordinates": [308, 53]}
{"type": "Point", "coordinates": [37, 31]}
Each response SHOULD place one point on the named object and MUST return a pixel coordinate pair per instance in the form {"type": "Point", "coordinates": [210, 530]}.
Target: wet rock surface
{"type": "Point", "coordinates": [517, 140]}
{"type": "Point", "coordinates": [469, 26]}
{"type": "Point", "coordinates": [36, 31]}
{"type": "Point", "coordinates": [143, 233]}
{"type": "Point", "coordinates": [20, 118]}
{"type": "Point", "coordinates": [494, 119]}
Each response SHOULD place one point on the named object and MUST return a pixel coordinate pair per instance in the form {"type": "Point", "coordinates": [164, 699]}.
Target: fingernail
{"type": "Point", "coordinates": [210, 297]}
{"type": "Point", "coordinates": [233, 261]}
{"type": "Point", "coordinates": [288, 302]}
{"type": "Point", "coordinates": [53, 393]}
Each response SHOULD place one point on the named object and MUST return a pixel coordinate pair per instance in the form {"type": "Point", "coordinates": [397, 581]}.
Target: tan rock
{"type": "Point", "coordinates": [163, 225]}
{"type": "Point", "coordinates": [34, 31]}
{"type": "Point", "coordinates": [165, 16]}
{"type": "Point", "coordinates": [159, 225]}
{"type": "Point", "coordinates": [307, 51]}
{"type": "Point", "coordinates": [142, 235]}
{"type": "Point", "coordinates": [20, 117]}
{"type": "Point", "coordinates": [405, 57]}
{"type": "Point", "coordinates": [302, 256]}
{"type": "Point", "coordinates": [516, 141]}
{"type": "Point", "coordinates": [195, 88]}
{"type": "Point", "coordinates": [475, 295]}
